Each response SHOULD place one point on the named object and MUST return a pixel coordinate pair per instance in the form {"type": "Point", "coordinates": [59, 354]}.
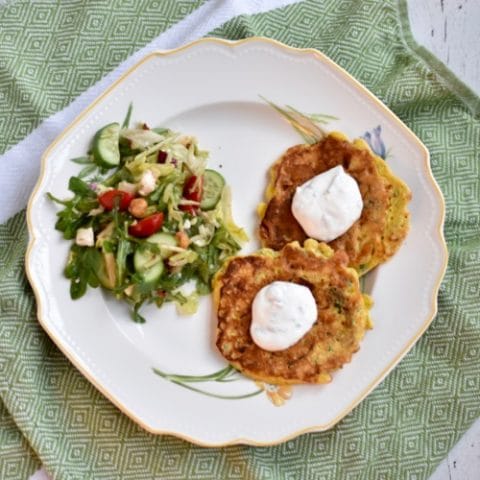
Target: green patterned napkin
{"type": "Point", "coordinates": [51, 414]}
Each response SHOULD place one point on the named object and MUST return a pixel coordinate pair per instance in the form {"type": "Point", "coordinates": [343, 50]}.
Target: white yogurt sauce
{"type": "Point", "coordinates": [328, 204]}
{"type": "Point", "coordinates": [282, 313]}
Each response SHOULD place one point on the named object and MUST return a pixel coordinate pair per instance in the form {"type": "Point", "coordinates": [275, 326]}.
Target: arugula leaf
{"type": "Point", "coordinates": [79, 187]}
{"type": "Point", "coordinates": [136, 317]}
{"type": "Point", "coordinates": [69, 221]}
{"type": "Point", "coordinates": [123, 250]}
{"type": "Point", "coordinates": [84, 205]}
{"type": "Point", "coordinates": [126, 121]}
{"type": "Point", "coordinates": [82, 160]}
{"type": "Point", "coordinates": [176, 297]}
{"type": "Point", "coordinates": [82, 269]}
{"type": "Point", "coordinates": [174, 280]}
{"type": "Point", "coordinates": [86, 171]}
{"type": "Point", "coordinates": [121, 175]}
{"type": "Point", "coordinates": [65, 203]}
{"type": "Point", "coordinates": [78, 287]}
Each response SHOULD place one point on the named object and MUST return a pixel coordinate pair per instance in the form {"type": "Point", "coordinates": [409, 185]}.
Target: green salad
{"type": "Point", "coordinates": [149, 222]}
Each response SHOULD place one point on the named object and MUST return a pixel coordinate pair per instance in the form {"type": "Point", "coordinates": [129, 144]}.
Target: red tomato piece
{"type": "Point", "coordinates": [147, 226]}
{"type": "Point", "coordinates": [192, 190]}
{"type": "Point", "coordinates": [112, 198]}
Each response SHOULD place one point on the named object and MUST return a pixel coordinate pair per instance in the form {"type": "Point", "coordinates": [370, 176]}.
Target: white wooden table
{"type": "Point", "coordinates": [450, 29]}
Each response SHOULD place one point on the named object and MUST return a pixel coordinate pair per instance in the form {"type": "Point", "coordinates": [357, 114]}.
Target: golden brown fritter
{"type": "Point", "coordinates": [384, 222]}
{"type": "Point", "coordinates": [342, 312]}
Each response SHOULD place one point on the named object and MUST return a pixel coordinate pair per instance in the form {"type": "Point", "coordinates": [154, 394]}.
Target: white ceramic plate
{"type": "Point", "coordinates": [211, 89]}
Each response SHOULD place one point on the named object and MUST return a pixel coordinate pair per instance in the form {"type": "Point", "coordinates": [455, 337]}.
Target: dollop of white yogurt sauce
{"type": "Point", "coordinates": [328, 204]}
{"type": "Point", "coordinates": [282, 313]}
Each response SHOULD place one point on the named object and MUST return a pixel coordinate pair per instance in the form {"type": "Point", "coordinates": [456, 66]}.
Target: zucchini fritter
{"type": "Point", "coordinates": [342, 318]}
{"type": "Point", "coordinates": [384, 222]}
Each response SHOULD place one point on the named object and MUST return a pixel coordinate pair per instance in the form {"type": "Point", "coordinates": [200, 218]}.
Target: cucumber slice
{"type": "Point", "coordinates": [213, 184]}
{"type": "Point", "coordinates": [148, 264]}
{"type": "Point", "coordinates": [105, 147]}
{"type": "Point", "coordinates": [143, 259]}
{"type": "Point", "coordinates": [163, 239]}
{"type": "Point", "coordinates": [153, 273]}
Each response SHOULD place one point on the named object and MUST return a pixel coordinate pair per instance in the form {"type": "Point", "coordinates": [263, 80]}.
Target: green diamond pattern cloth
{"type": "Point", "coordinates": [53, 52]}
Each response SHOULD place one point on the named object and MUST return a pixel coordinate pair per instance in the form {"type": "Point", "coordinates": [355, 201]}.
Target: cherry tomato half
{"type": "Point", "coordinates": [147, 226]}
{"type": "Point", "coordinates": [192, 190]}
{"type": "Point", "coordinates": [111, 198]}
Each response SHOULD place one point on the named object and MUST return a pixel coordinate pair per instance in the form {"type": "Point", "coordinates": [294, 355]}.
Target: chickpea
{"type": "Point", "coordinates": [182, 239]}
{"type": "Point", "coordinates": [138, 207]}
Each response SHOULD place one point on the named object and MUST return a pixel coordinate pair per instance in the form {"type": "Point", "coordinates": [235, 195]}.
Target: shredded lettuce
{"type": "Point", "coordinates": [204, 236]}
{"type": "Point", "coordinates": [188, 305]}
{"type": "Point", "coordinates": [225, 206]}
{"type": "Point", "coordinates": [141, 139]}
{"type": "Point", "coordinates": [182, 258]}
{"type": "Point", "coordinates": [139, 165]}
